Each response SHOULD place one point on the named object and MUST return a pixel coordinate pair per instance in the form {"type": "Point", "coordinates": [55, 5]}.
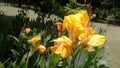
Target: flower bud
{"type": "Point", "coordinates": [41, 49]}
{"type": "Point", "coordinates": [27, 30]}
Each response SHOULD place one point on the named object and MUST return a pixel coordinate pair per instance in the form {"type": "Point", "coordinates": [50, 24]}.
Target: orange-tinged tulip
{"type": "Point", "coordinates": [63, 46]}
{"type": "Point", "coordinates": [35, 40]}
{"type": "Point", "coordinates": [27, 30]}
{"type": "Point", "coordinates": [41, 49]}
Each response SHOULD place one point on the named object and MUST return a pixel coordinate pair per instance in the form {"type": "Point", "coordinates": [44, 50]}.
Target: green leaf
{"type": "Point", "coordinates": [22, 63]}
{"type": "Point", "coordinates": [100, 52]}
{"type": "Point", "coordinates": [64, 63]}
{"type": "Point", "coordinates": [34, 60]}
{"type": "Point", "coordinates": [23, 35]}
{"type": "Point", "coordinates": [13, 65]}
{"type": "Point", "coordinates": [81, 58]}
{"type": "Point", "coordinates": [54, 60]}
{"type": "Point", "coordinates": [1, 65]}
{"type": "Point", "coordinates": [42, 62]}
{"type": "Point", "coordinates": [15, 38]}
{"type": "Point", "coordinates": [101, 64]}
{"type": "Point", "coordinates": [15, 53]}
{"type": "Point", "coordinates": [47, 39]}
{"type": "Point", "coordinates": [69, 60]}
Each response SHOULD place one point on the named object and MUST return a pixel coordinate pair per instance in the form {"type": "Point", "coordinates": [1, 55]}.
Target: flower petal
{"type": "Point", "coordinates": [66, 52]}
{"type": "Point", "coordinates": [96, 40]}
{"type": "Point", "coordinates": [84, 17]}
{"type": "Point", "coordinates": [35, 40]}
{"type": "Point", "coordinates": [42, 49]}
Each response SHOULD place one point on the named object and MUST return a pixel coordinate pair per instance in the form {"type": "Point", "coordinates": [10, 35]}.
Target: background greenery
{"type": "Point", "coordinates": [105, 9]}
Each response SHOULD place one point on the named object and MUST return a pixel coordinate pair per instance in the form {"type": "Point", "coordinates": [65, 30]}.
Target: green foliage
{"type": "Point", "coordinates": [19, 22]}
{"type": "Point", "coordinates": [107, 10]}
{"type": "Point", "coordinates": [108, 14]}
{"type": "Point", "coordinates": [1, 65]}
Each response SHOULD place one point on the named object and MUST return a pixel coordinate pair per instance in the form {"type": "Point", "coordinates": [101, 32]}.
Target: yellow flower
{"type": "Point", "coordinates": [35, 40]}
{"type": "Point", "coordinates": [63, 46]}
{"type": "Point", "coordinates": [27, 30]}
{"type": "Point", "coordinates": [75, 23]}
{"type": "Point", "coordinates": [95, 40]}
{"type": "Point", "coordinates": [90, 39]}
{"type": "Point", "coordinates": [41, 49]}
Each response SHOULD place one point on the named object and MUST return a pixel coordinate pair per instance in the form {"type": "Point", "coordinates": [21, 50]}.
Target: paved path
{"type": "Point", "coordinates": [12, 11]}
{"type": "Point", "coordinates": [112, 46]}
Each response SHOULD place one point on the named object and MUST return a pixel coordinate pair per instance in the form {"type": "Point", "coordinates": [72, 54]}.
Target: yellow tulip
{"type": "Point", "coordinates": [35, 40]}
{"type": "Point", "coordinates": [41, 49]}
{"type": "Point", "coordinates": [63, 46]}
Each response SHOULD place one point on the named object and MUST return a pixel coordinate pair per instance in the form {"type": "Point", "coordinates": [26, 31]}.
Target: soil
{"type": "Point", "coordinates": [112, 33]}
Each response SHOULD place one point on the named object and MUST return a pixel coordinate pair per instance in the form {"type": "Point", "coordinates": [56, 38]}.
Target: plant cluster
{"type": "Point", "coordinates": [70, 43]}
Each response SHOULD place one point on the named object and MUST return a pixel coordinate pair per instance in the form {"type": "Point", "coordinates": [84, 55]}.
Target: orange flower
{"type": "Point", "coordinates": [41, 49]}
{"type": "Point", "coordinates": [63, 46]}
{"type": "Point", "coordinates": [60, 26]}
{"type": "Point", "coordinates": [35, 40]}
{"type": "Point", "coordinates": [27, 30]}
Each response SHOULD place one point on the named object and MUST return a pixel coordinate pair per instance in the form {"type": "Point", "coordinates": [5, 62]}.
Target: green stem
{"type": "Point", "coordinates": [73, 57]}
{"type": "Point", "coordinates": [32, 50]}
{"type": "Point", "coordinates": [26, 66]}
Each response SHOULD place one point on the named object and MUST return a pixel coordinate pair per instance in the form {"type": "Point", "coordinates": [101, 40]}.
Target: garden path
{"type": "Point", "coordinates": [112, 45]}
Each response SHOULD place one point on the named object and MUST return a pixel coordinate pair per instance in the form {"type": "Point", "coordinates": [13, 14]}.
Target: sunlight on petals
{"type": "Point", "coordinates": [97, 40]}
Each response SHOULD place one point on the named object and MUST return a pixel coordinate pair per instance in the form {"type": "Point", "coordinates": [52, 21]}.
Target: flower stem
{"type": "Point", "coordinates": [26, 66]}
{"type": "Point", "coordinates": [73, 57]}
